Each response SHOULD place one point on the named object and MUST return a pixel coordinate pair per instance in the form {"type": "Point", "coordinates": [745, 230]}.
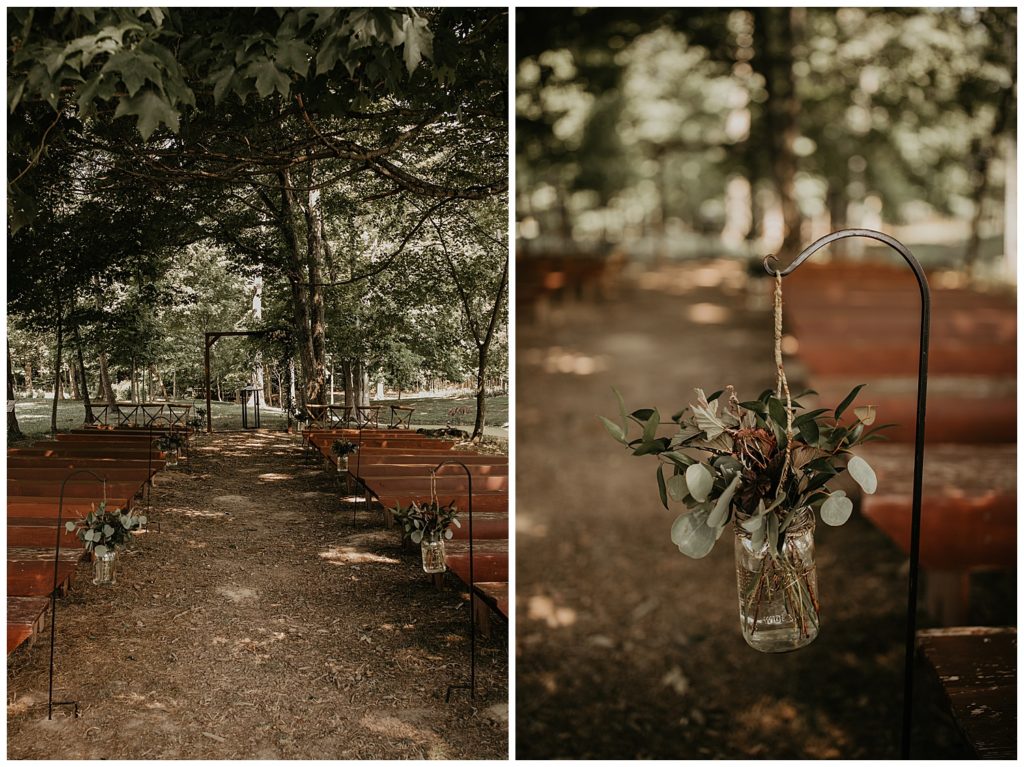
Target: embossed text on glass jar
{"type": "Point", "coordinates": [778, 595]}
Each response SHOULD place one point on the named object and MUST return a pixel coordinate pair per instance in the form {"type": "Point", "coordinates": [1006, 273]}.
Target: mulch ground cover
{"type": "Point", "coordinates": [260, 622]}
{"type": "Point", "coordinates": [628, 649]}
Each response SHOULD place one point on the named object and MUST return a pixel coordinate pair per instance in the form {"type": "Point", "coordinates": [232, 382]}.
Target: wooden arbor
{"type": "Point", "coordinates": [211, 339]}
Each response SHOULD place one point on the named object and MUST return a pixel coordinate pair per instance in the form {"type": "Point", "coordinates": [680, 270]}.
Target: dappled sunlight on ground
{"type": "Point", "coordinates": [771, 718]}
{"type": "Point", "coordinates": [351, 555]}
{"type": "Point", "coordinates": [528, 525]}
{"type": "Point", "coordinates": [543, 608]}
{"type": "Point", "coordinates": [272, 477]}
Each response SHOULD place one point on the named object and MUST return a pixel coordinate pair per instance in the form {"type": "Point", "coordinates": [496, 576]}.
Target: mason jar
{"type": "Point", "coordinates": [432, 552]}
{"type": "Point", "coordinates": [105, 567]}
{"type": "Point", "coordinates": [778, 595]}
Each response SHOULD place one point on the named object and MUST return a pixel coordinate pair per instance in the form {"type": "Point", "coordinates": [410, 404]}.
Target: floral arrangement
{"type": "Point", "coordinates": [421, 521]}
{"type": "Point", "coordinates": [104, 528]}
{"type": "Point", "coordinates": [747, 470]}
{"type": "Point", "coordinates": [343, 447]}
{"type": "Point", "coordinates": [765, 466]}
{"type": "Point", "coordinates": [168, 442]}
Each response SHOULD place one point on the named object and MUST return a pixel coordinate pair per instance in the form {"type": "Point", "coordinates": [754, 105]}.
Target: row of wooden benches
{"type": "Point", "coordinates": [395, 470]}
{"type": "Point", "coordinates": [126, 459]}
{"type": "Point", "coordinates": [863, 320]}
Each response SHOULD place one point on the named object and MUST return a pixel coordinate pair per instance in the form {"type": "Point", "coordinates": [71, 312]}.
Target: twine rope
{"type": "Point", "coordinates": [781, 384]}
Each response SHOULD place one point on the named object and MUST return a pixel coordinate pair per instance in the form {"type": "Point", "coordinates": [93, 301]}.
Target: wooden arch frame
{"type": "Point", "coordinates": [211, 339]}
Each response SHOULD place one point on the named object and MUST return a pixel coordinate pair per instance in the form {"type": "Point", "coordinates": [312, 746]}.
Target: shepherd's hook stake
{"type": "Point", "coordinates": [922, 396]}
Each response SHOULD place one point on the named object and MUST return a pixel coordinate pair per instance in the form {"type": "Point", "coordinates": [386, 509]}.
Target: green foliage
{"type": "Point", "coordinates": [419, 521]}
{"type": "Point", "coordinates": [104, 528]}
{"type": "Point", "coordinates": [343, 447]}
{"type": "Point", "coordinates": [741, 471]}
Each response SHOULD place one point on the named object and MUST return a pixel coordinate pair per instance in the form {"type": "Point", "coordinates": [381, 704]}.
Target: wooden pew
{"type": "Point", "coordinates": [76, 488]}
{"type": "Point", "coordinates": [26, 617]}
{"type": "Point", "coordinates": [30, 570]}
{"type": "Point", "coordinates": [481, 502]}
{"type": "Point", "coordinates": [44, 507]}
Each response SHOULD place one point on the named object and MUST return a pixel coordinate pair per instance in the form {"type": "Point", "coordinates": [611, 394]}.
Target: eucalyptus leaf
{"type": "Point", "coordinates": [69, 526]}
{"type": "Point", "coordinates": [677, 487]}
{"type": "Point", "coordinates": [100, 550]}
{"type": "Point", "coordinates": [622, 410]}
{"type": "Point", "coordinates": [651, 427]}
{"type": "Point", "coordinates": [718, 515]}
{"type": "Point", "coordinates": [836, 510]}
{"type": "Point", "coordinates": [848, 400]}
{"type": "Point", "coordinates": [661, 486]}
{"type": "Point", "coordinates": [700, 481]}
{"type": "Point", "coordinates": [865, 414]}
{"type": "Point", "coordinates": [448, 534]}
{"type": "Point", "coordinates": [417, 536]}
{"type": "Point", "coordinates": [692, 535]}
{"type": "Point", "coordinates": [862, 474]}
{"type": "Point", "coordinates": [773, 534]}
{"type": "Point", "coordinates": [614, 429]}
{"type": "Point", "coordinates": [753, 524]}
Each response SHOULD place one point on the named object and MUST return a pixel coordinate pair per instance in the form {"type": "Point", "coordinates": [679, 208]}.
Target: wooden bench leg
{"type": "Point", "coordinates": [946, 596]}
{"type": "Point", "coordinates": [482, 618]}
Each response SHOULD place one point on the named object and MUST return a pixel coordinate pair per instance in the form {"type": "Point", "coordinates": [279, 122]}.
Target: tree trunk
{"type": "Point", "coordinates": [13, 430]}
{"type": "Point", "coordinates": [174, 385]}
{"type": "Point", "coordinates": [314, 258]}
{"type": "Point", "coordinates": [295, 271]}
{"type": "Point", "coordinates": [346, 380]}
{"type": "Point", "coordinates": [28, 380]}
{"type": "Point", "coordinates": [108, 387]}
{"type": "Point", "coordinates": [158, 382]}
{"type": "Point", "coordinates": [56, 373]}
{"type": "Point", "coordinates": [85, 381]}
{"type": "Point", "coordinates": [291, 383]}
{"type": "Point", "coordinates": [773, 58]}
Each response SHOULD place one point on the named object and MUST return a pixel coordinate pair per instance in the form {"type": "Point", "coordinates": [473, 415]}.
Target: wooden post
{"type": "Point", "coordinates": [206, 367]}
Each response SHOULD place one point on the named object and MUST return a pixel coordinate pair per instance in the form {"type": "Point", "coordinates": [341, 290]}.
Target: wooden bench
{"type": "Point", "coordinates": [75, 507]}
{"type": "Point", "coordinates": [30, 570]}
{"type": "Point", "coordinates": [40, 532]}
{"type": "Point", "coordinates": [968, 515]}
{"type": "Point", "coordinates": [976, 669]}
{"type": "Point", "coordinates": [77, 488]}
{"type": "Point", "coordinates": [491, 596]}
{"type": "Point", "coordinates": [481, 502]}
{"type": "Point", "coordinates": [383, 470]}
{"type": "Point", "coordinates": [26, 618]}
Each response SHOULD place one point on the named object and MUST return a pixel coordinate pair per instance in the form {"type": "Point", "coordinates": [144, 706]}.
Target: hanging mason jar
{"type": "Point", "coordinates": [342, 463]}
{"type": "Point", "coordinates": [105, 568]}
{"type": "Point", "coordinates": [172, 457]}
{"type": "Point", "coordinates": [778, 594]}
{"type": "Point", "coordinates": [432, 551]}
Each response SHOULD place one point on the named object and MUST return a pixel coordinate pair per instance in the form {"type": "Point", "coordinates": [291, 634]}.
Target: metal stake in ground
{"type": "Point", "coordinates": [922, 395]}
{"type": "Point", "coordinates": [50, 703]}
{"type": "Point", "coordinates": [472, 596]}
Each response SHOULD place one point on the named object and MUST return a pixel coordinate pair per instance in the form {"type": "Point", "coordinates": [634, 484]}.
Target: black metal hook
{"type": "Point", "coordinates": [53, 592]}
{"type": "Point", "coordinates": [922, 395]}
{"type": "Point", "coordinates": [472, 595]}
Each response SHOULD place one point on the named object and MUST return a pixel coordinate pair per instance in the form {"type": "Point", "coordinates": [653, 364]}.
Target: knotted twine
{"type": "Point", "coordinates": [781, 384]}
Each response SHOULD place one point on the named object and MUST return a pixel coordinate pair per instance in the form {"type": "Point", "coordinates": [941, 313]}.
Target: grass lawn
{"type": "Point", "coordinates": [34, 414]}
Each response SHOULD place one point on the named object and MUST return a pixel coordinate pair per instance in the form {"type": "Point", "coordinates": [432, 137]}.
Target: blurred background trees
{"type": "Point", "coordinates": [673, 132]}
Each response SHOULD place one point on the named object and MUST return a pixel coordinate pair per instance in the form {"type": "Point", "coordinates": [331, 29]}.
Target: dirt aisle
{"type": "Point", "coordinates": [260, 623]}
{"type": "Point", "coordinates": [625, 647]}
